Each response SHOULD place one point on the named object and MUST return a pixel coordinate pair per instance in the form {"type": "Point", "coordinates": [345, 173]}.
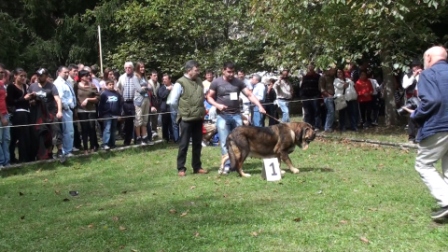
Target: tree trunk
{"type": "Point", "coordinates": [389, 86]}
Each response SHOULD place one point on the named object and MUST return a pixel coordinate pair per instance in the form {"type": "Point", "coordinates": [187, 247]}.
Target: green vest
{"type": "Point", "coordinates": [191, 101]}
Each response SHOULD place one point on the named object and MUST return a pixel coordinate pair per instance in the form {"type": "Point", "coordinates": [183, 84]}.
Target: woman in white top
{"type": "Point", "coordinates": [346, 97]}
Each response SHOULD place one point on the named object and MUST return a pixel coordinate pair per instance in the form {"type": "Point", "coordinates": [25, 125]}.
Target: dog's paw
{"type": "Point", "coordinates": [246, 175]}
{"type": "Point", "coordinates": [282, 172]}
{"type": "Point", "coordinates": [295, 170]}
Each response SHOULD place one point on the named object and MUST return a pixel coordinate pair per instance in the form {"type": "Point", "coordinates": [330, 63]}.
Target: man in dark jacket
{"type": "Point", "coordinates": [432, 117]}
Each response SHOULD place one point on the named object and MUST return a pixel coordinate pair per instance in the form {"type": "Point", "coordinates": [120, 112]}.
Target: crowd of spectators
{"type": "Point", "coordinates": [78, 110]}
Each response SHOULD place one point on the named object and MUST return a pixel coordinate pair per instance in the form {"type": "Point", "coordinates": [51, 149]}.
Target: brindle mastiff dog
{"type": "Point", "coordinates": [268, 142]}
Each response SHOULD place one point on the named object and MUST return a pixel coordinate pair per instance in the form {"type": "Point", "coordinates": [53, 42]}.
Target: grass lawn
{"type": "Point", "coordinates": [347, 197]}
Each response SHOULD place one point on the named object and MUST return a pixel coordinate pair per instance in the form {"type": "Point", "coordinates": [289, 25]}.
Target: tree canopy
{"type": "Point", "coordinates": [257, 35]}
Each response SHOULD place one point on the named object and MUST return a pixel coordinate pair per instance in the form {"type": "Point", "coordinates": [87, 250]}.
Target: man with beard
{"type": "Point", "coordinates": [46, 108]}
{"type": "Point", "coordinates": [224, 95]}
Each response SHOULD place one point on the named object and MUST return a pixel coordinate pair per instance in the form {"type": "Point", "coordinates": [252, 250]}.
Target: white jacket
{"type": "Point", "coordinates": [350, 92]}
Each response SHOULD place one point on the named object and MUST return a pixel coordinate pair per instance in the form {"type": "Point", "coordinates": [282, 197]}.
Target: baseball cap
{"type": "Point", "coordinates": [42, 71]}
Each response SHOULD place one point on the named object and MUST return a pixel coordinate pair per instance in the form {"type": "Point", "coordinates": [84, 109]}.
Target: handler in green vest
{"type": "Point", "coordinates": [188, 96]}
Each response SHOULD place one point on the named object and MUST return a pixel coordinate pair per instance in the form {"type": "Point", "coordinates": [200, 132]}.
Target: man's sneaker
{"type": "Point", "coordinates": [154, 135]}
{"type": "Point", "coordinates": [106, 147]}
{"type": "Point", "coordinates": [440, 214]}
{"type": "Point", "coordinates": [62, 158]}
{"type": "Point", "coordinates": [69, 155]}
{"type": "Point", "coordinates": [75, 149]}
{"type": "Point", "coordinates": [138, 141]}
{"type": "Point", "coordinates": [147, 141]}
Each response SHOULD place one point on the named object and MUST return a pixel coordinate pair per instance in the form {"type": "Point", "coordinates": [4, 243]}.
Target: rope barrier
{"type": "Point", "coordinates": [124, 117]}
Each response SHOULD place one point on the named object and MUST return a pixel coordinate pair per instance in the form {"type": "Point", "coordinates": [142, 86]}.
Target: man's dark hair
{"type": "Point", "coordinates": [190, 65]}
{"type": "Point", "coordinates": [228, 65]}
{"type": "Point", "coordinates": [154, 72]}
{"type": "Point", "coordinates": [60, 69]}
{"type": "Point", "coordinates": [83, 73]}
{"type": "Point", "coordinates": [72, 66]}
{"type": "Point", "coordinates": [208, 71]}
{"type": "Point", "coordinates": [167, 75]}
{"type": "Point", "coordinates": [241, 71]}
{"type": "Point", "coordinates": [416, 63]}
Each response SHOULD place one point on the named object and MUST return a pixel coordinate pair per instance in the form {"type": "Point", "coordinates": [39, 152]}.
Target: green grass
{"type": "Point", "coordinates": [134, 201]}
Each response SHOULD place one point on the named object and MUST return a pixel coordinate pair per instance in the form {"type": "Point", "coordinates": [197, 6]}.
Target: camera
{"type": "Point", "coordinates": [412, 103]}
{"type": "Point", "coordinates": [41, 95]}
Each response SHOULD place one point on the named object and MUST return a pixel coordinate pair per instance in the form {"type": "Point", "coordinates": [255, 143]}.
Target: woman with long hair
{"type": "Point", "coordinates": [108, 75]}
{"type": "Point", "coordinates": [87, 98]}
{"type": "Point", "coordinates": [18, 103]}
{"type": "Point", "coordinates": [142, 106]}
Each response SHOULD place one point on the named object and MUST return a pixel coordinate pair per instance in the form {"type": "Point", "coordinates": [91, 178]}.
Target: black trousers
{"type": "Point", "coordinates": [167, 127]}
{"type": "Point", "coordinates": [189, 129]}
{"type": "Point", "coordinates": [88, 131]}
{"type": "Point", "coordinates": [412, 129]}
{"type": "Point", "coordinates": [77, 136]}
{"type": "Point", "coordinates": [311, 105]}
{"type": "Point", "coordinates": [271, 110]}
{"type": "Point", "coordinates": [23, 134]}
{"type": "Point", "coordinates": [129, 112]}
{"type": "Point", "coordinates": [366, 110]}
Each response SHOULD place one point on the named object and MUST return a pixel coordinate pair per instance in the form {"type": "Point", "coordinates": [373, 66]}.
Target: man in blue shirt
{"type": "Point", "coordinates": [432, 117]}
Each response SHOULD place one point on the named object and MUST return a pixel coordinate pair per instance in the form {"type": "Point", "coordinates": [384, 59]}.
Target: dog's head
{"type": "Point", "coordinates": [304, 133]}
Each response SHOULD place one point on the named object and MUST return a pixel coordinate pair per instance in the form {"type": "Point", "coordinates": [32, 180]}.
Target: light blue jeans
{"type": "Point", "coordinates": [257, 117]}
{"type": "Point", "coordinates": [5, 139]}
{"type": "Point", "coordinates": [225, 123]}
{"type": "Point", "coordinates": [329, 119]}
{"type": "Point", "coordinates": [110, 127]}
{"type": "Point", "coordinates": [284, 106]}
{"type": "Point", "coordinates": [67, 131]}
{"type": "Point", "coordinates": [174, 124]}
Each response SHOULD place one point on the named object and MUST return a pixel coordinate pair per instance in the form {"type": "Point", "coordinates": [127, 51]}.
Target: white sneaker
{"type": "Point", "coordinates": [106, 147]}
{"type": "Point", "coordinates": [204, 144]}
{"type": "Point", "coordinates": [75, 149]}
{"type": "Point", "coordinates": [150, 142]}
{"type": "Point", "coordinates": [69, 155]}
{"type": "Point", "coordinates": [154, 135]}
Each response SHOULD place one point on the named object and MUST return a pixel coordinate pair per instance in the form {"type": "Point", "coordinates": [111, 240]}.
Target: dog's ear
{"type": "Point", "coordinates": [308, 133]}
{"type": "Point", "coordinates": [298, 130]}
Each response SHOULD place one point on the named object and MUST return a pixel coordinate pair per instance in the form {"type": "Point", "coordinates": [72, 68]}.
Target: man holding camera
{"type": "Point", "coordinates": [284, 93]}
{"type": "Point", "coordinates": [432, 117]}
{"type": "Point", "coordinates": [410, 86]}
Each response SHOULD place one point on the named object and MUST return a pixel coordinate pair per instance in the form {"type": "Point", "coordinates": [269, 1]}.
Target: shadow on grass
{"type": "Point", "coordinates": [255, 168]}
{"type": "Point", "coordinates": [81, 159]}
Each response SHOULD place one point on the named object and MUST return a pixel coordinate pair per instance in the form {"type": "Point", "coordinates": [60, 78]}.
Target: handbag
{"type": "Point", "coordinates": [340, 102]}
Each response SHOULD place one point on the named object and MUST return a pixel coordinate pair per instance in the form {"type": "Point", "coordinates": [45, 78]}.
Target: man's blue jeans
{"type": "Point", "coordinates": [68, 131]}
{"type": "Point", "coordinates": [5, 139]}
{"type": "Point", "coordinates": [257, 117]}
{"type": "Point", "coordinates": [110, 127]}
{"type": "Point", "coordinates": [225, 123]}
{"type": "Point", "coordinates": [284, 106]}
{"type": "Point", "coordinates": [174, 124]}
{"type": "Point", "coordinates": [329, 120]}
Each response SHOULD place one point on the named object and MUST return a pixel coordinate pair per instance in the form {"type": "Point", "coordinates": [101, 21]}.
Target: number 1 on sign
{"type": "Point", "coordinates": [273, 169]}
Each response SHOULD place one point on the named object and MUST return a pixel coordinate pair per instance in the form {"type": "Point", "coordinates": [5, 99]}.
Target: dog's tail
{"type": "Point", "coordinates": [232, 150]}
